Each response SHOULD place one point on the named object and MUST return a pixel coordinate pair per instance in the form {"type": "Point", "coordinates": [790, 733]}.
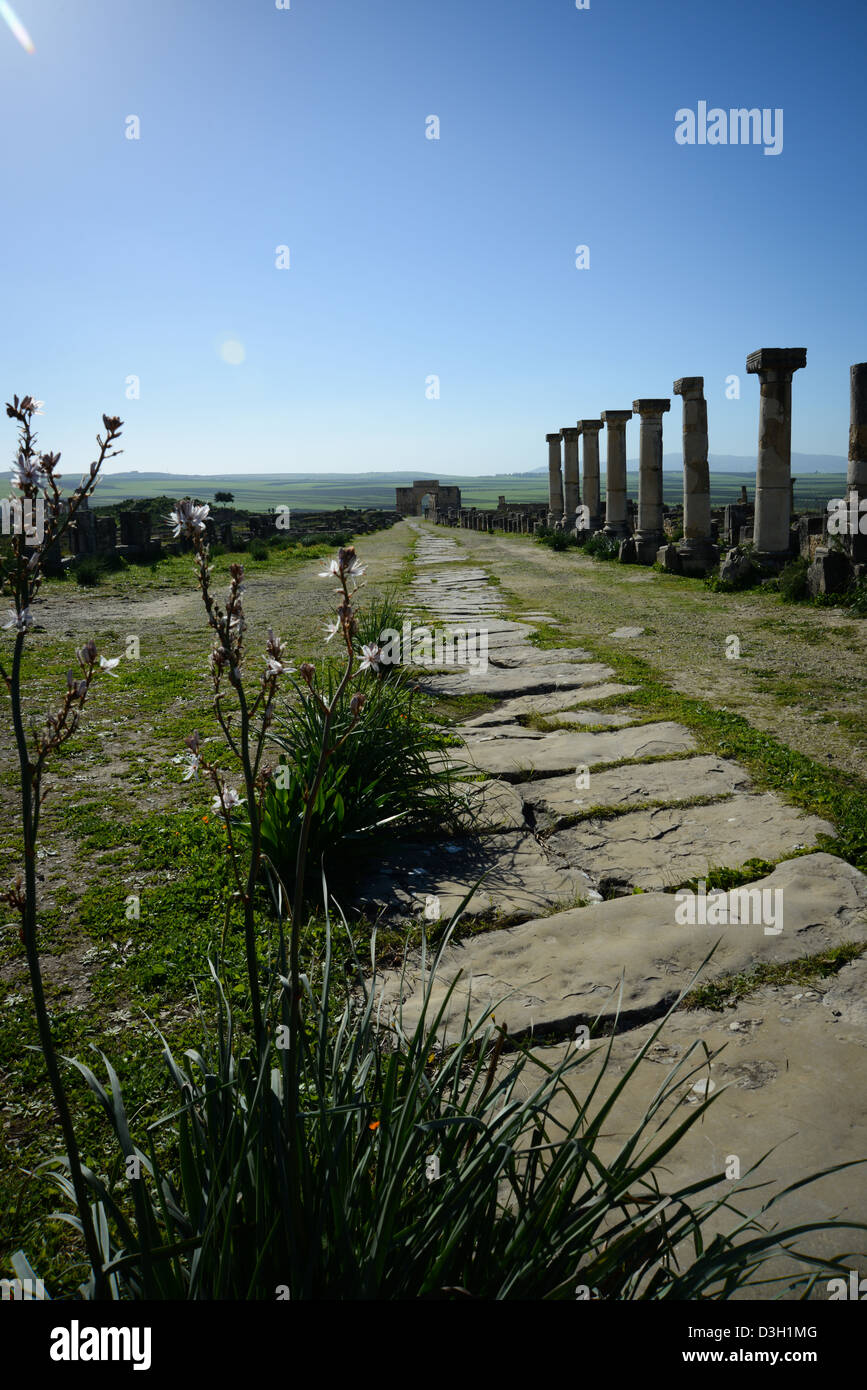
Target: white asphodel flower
{"type": "Point", "coordinates": [230, 800]}
{"type": "Point", "coordinates": [332, 630]}
{"type": "Point", "coordinates": [22, 622]}
{"type": "Point", "coordinates": [273, 667]}
{"type": "Point", "coordinates": [188, 518]}
{"type": "Point", "coordinates": [372, 655]}
{"type": "Point", "coordinates": [29, 473]}
{"type": "Point", "coordinates": [333, 568]}
{"type": "Point", "coordinates": [192, 761]}
{"type": "Point", "coordinates": [108, 666]}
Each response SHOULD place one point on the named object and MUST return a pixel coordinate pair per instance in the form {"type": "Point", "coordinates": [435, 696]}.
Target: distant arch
{"type": "Point", "coordinates": [409, 501]}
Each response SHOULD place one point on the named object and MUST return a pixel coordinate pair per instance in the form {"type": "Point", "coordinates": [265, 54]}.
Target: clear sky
{"type": "Point", "coordinates": [412, 257]}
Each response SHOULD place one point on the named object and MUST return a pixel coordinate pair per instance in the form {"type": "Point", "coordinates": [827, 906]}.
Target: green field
{"type": "Point", "coordinates": [331, 491]}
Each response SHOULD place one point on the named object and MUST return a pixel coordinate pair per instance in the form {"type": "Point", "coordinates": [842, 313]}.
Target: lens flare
{"type": "Point", "coordinates": [232, 352]}
{"type": "Point", "coordinates": [17, 27]}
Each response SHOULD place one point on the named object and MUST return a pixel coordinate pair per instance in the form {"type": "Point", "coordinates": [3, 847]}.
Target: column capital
{"type": "Point", "coordinates": [570, 435]}
{"type": "Point", "coordinates": [689, 386]}
{"type": "Point", "coordinates": [588, 425]}
{"type": "Point", "coordinates": [784, 360]}
{"type": "Point", "coordinates": [616, 417]}
{"type": "Point", "coordinates": [649, 405]}
{"type": "Point", "coordinates": [552, 438]}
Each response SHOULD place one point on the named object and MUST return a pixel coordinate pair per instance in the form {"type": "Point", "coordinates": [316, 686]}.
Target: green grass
{"type": "Point", "coordinates": [727, 990]}
{"type": "Point", "coordinates": [454, 709]}
{"type": "Point", "coordinates": [835, 794]}
{"type": "Point", "coordinates": [726, 879]}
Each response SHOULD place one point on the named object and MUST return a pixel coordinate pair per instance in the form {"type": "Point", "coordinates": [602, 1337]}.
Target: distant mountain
{"type": "Point", "coordinates": [734, 463]}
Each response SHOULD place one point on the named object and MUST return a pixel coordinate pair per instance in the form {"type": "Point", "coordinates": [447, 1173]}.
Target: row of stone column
{"type": "Point", "coordinates": [696, 552]}
{"type": "Point", "coordinates": [774, 368]}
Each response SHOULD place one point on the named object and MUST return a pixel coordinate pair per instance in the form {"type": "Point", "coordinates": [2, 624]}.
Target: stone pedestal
{"type": "Point", "coordinates": [697, 553]}
{"type": "Point", "coordinates": [856, 477]}
{"type": "Point", "coordinates": [649, 534]}
{"type": "Point", "coordinates": [105, 540]}
{"type": "Point", "coordinates": [555, 481]}
{"type": "Point", "coordinates": [571, 495]}
{"type": "Point", "coordinates": [829, 573]}
{"type": "Point", "coordinates": [615, 473]}
{"type": "Point", "coordinates": [52, 560]}
{"type": "Point", "coordinates": [82, 530]}
{"type": "Point", "coordinates": [774, 368]}
{"type": "Point", "coordinates": [590, 496]}
{"type": "Point", "coordinates": [135, 532]}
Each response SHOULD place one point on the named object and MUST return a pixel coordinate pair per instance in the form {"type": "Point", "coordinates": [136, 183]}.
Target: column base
{"type": "Point", "coordinates": [697, 558]}
{"type": "Point", "coordinates": [770, 561]}
{"type": "Point", "coordinates": [617, 530]}
{"type": "Point", "coordinates": [668, 557]}
{"type": "Point", "coordinates": [646, 545]}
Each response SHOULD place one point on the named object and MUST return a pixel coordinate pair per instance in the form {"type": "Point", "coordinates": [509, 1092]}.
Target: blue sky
{"type": "Point", "coordinates": [411, 257]}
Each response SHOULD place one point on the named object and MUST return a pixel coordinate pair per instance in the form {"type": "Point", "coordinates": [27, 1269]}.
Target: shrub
{"type": "Point", "coordinates": [793, 581]}
{"type": "Point", "coordinates": [602, 547]}
{"type": "Point", "coordinates": [378, 616]}
{"type": "Point", "coordinates": [112, 562]}
{"type": "Point", "coordinates": [257, 549]}
{"type": "Point", "coordinates": [381, 778]}
{"type": "Point", "coordinates": [89, 572]}
{"type": "Point", "coordinates": [556, 540]}
{"type": "Point", "coordinates": [856, 601]}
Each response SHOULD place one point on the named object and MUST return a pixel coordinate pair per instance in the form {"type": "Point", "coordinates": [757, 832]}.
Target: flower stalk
{"type": "Point", "coordinates": [21, 574]}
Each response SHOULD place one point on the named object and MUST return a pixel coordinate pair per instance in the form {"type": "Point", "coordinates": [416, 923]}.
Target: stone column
{"type": "Point", "coordinates": [774, 368]}
{"type": "Point", "coordinates": [555, 482]}
{"type": "Point", "coordinates": [615, 473]}
{"type": "Point", "coordinates": [571, 496]}
{"type": "Point", "coordinates": [590, 494]}
{"type": "Point", "coordinates": [696, 552]}
{"type": "Point", "coordinates": [649, 533]}
{"type": "Point", "coordinates": [856, 476]}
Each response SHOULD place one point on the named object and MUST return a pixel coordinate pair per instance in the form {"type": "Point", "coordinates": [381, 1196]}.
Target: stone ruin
{"type": "Point", "coordinates": [92, 534]}
{"type": "Point", "coordinates": [427, 497]}
{"type": "Point", "coordinates": [644, 531]}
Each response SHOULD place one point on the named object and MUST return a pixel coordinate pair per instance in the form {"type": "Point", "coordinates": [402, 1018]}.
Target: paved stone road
{"type": "Point", "coordinates": [795, 1056]}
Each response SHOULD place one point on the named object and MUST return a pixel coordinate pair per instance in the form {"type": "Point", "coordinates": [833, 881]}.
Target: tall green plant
{"type": "Point", "coordinates": [21, 574]}
{"type": "Point", "coordinates": [387, 774]}
{"type": "Point", "coordinates": [379, 1163]}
